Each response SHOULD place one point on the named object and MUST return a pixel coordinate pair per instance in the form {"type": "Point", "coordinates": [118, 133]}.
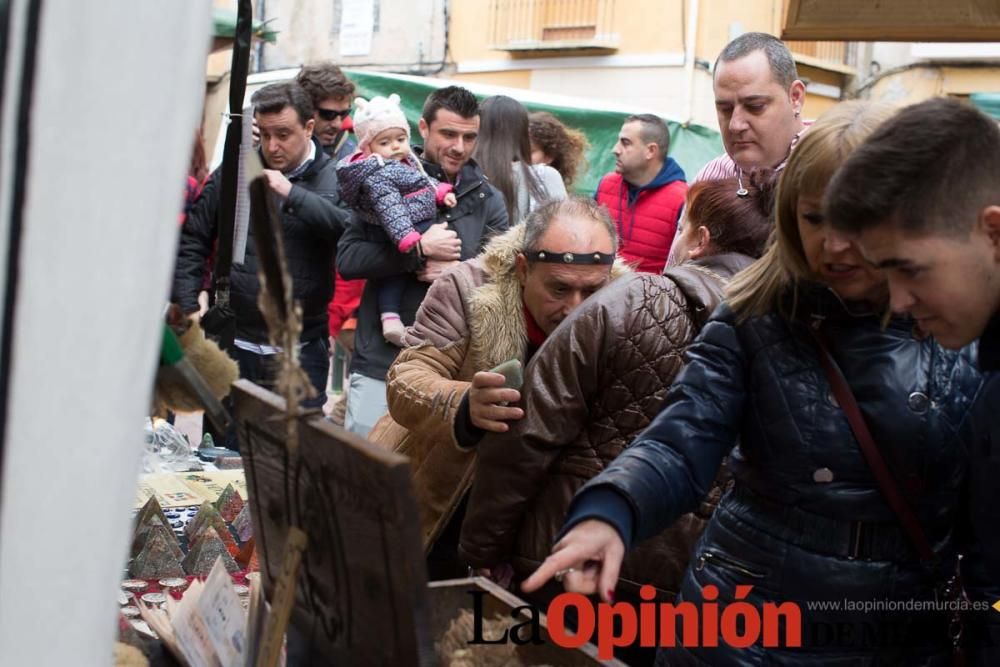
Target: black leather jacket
{"type": "Point", "coordinates": [806, 521]}
{"type": "Point", "coordinates": [313, 218]}
{"type": "Point", "coordinates": [981, 566]}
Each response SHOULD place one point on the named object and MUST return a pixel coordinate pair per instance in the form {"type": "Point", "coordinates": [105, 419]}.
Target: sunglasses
{"type": "Point", "coordinates": [333, 114]}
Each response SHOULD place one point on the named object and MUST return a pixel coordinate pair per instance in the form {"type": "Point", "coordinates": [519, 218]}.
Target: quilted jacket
{"type": "Point", "coordinates": [598, 380]}
{"type": "Point", "coordinates": [805, 520]}
{"type": "Point", "coordinates": [393, 194]}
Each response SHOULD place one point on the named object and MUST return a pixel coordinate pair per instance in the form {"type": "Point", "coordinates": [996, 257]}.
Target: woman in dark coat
{"type": "Point", "coordinates": [806, 520]}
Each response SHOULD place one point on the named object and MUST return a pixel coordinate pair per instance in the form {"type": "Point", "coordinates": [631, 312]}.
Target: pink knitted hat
{"type": "Point", "coordinates": [375, 115]}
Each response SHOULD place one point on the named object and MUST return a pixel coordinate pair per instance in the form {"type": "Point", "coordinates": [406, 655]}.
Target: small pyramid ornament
{"type": "Point", "coordinates": [253, 565]}
{"type": "Point", "coordinates": [157, 559]}
{"type": "Point", "coordinates": [155, 527]}
{"type": "Point", "coordinates": [229, 503]}
{"type": "Point", "coordinates": [205, 549]}
{"type": "Point", "coordinates": [243, 524]}
{"type": "Point", "coordinates": [207, 514]}
{"type": "Point", "coordinates": [247, 552]}
{"type": "Point", "coordinates": [150, 509]}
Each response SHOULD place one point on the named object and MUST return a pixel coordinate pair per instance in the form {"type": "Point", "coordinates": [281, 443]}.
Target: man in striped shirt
{"type": "Point", "coordinates": [758, 98]}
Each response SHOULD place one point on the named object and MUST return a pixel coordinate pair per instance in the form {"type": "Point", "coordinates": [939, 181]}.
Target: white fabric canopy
{"type": "Point", "coordinates": [104, 165]}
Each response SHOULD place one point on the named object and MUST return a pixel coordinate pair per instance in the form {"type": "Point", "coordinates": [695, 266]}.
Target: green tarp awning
{"type": "Point", "coordinates": [691, 145]}
{"type": "Point", "coordinates": [988, 103]}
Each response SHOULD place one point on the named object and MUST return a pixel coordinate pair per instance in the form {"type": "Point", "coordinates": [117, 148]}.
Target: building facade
{"type": "Point", "coordinates": [656, 54]}
{"type": "Point", "coordinates": [904, 73]}
{"type": "Point", "coordinates": [653, 54]}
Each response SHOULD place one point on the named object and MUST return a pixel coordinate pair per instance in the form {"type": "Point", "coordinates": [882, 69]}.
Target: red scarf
{"type": "Point", "coordinates": [535, 334]}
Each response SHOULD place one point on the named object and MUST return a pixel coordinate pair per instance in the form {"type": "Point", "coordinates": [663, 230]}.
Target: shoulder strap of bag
{"type": "Point", "coordinates": [338, 143]}
{"type": "Point", "coordinates": [887, 485]}
{"type": "Point", "coordinates": [229, 173]}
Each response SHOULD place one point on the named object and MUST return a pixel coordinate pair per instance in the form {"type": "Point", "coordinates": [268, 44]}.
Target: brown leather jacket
{"type": "Point", "coordinates": [598, 381]}
{"type": "Point", "coordinates": [471, 320]}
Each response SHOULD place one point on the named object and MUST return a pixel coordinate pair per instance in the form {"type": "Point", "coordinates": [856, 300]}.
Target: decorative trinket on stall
{"type": "Point", "coordinates": [173, 583]}
{"type": "Point", "coordinates": [253, 565]}
{"type": "Point", "coordinates": [150, 509]}
{"type": "Point", "coordinates": [154, 598]}
{"type": "Point", "coordinates": [134, 585]}
{"type": "Point", "coordinates": [243, 524]}
{"type": "Point", "coordinates": [155, 527]}
{"type": "Point", "coordinates": [205, 548]}
{"type": "Point", "coordinates": [160, 557]}
{"type": "Point", "coordinates": [247, 554]}
{"type": "Point", "coordinates": [229, 504]}
{"type": "Point", "coordinates": [208, 516]}
{"type": "Point", "coordinates": [130, 612]}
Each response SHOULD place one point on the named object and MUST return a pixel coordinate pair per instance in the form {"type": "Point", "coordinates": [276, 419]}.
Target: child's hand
{"type": "Point", "coordinates": [450, 200]}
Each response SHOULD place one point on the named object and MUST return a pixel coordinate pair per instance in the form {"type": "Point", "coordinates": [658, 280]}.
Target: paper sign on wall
{"type": "Point", "coordinates": [357, 23]}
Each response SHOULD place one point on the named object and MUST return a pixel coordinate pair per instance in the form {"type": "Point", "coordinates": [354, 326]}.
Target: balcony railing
{"type": "Point", "coordinates": [838, 55]}
{"type": "Point", "coordinates": [541, 25]}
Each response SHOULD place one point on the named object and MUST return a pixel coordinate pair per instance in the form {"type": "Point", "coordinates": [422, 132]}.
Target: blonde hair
{"type": "Point", "coordinates": [759, 289]}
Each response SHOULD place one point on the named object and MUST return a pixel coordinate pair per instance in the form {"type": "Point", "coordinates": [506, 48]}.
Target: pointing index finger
{"type": "Point", "coordinates": [560, 560]}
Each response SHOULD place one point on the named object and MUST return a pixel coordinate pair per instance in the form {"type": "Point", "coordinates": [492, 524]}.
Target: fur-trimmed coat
{"type": "Point", "coordinates": [471, 320]}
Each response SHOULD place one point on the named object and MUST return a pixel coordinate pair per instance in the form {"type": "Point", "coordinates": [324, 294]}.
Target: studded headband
{"type": "Point", "coordinates": [570, 257]}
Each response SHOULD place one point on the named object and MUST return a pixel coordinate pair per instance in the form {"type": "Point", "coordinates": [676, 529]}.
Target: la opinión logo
{"type": "Point", "coordinates": [739, 624]}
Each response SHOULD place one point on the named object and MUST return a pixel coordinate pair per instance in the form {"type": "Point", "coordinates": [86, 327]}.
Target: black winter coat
{"type": "Point", "coordinates": [981, 567]}
{"type": "Point", "coordinates": [806, 521]}
{"type": "Point", "coordinates": [365, 251]}
{"type": "Point", "coordinates": [312, 220]}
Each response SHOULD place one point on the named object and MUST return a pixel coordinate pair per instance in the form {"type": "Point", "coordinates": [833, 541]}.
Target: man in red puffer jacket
{"type": "Point", "coordinates": [645, 193]}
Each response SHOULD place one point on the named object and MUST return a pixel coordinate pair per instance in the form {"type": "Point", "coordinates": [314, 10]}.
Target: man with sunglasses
{"type": "Point", "coordinates": [331, 94]}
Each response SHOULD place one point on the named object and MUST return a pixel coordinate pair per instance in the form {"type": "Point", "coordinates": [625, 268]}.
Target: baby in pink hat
{"type": "Point", "coordinates": [386, 184]}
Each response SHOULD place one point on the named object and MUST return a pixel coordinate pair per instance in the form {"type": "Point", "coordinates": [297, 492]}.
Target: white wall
{"type": "Point", "coordinates": [661, 89]}
{"type": "Point", "coordinates": [407, 31]}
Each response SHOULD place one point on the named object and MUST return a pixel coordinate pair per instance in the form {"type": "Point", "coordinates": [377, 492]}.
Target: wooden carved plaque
{"type": "Point", "coordinates": [361, 597]}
